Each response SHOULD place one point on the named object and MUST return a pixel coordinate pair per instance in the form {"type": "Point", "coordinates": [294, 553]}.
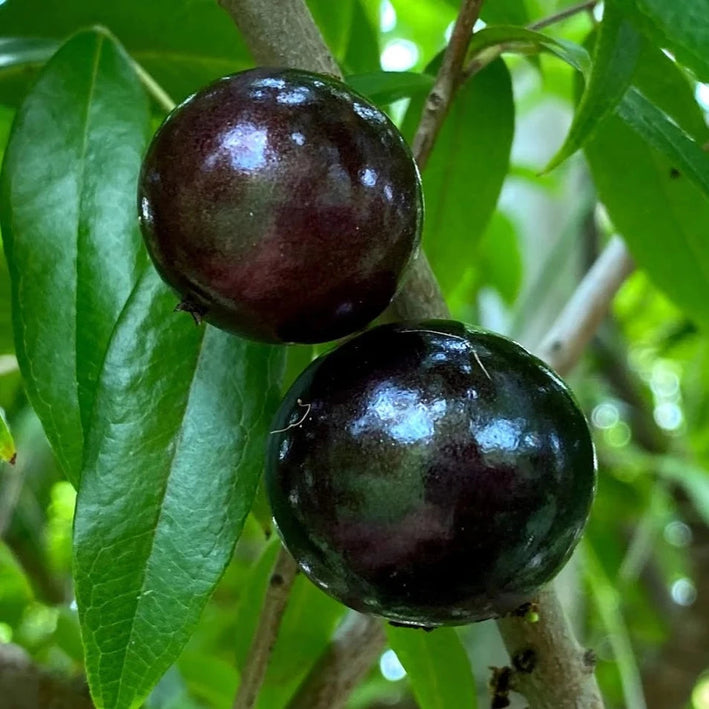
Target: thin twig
{"type": "Point", "coordinates": [349, 657]}
{"type": "Point", "coordinates": [274, 605]}
{"type": "Point", "coordinates": [564, 14]}
{"type": "Point", "coordinates": [579, 320]}
{"type": "Point", "coordinates": [447, 80]}
{"type": "Point", "coordinates": [153, 87]}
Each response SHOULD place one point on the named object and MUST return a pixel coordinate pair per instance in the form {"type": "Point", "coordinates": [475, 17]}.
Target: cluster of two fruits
{"type": "Point", "coordinates": [427, 472]}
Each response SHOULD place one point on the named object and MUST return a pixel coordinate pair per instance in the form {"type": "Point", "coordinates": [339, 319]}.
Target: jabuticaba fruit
{"type": "Point", "coordinates": [430, 473]}
{"type": "Point", "coordinates": [281, 206]}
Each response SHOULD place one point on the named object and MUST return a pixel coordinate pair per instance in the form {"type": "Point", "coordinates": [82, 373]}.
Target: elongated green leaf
{"type": "Point", "coordinates": [437, 666]}
{"type": "Point", "coordinates": [658, 209]}
{"type": "Point", "coordinates": [614, 60]}
{"type": "Point", "coordinates": [504, 12]}
{"type": "Point", "coordinates": [363, 48]}
{"type": "Point", "coordinates": [334, 21]}
{"type": "Point", "coordinates": [519, 39]}
{"type": "Point", "coordinates": [681, 26]}
{"type": "Point", "coordinates": [500, 260]}
{"type": "Point", "coordinates": [172, 463]}
{"type": "Point", "coordinates": [67, 204]}
{"type": "Point", "coordinates": [183, 45]}
{"type": "Point", "coordinates": [384, 87]}
{"type": "Point", "coordinates": [464, 174]}
{"type": "Point", "coordinates": [663, 134]}
{"type": "Point", "coordinates": [7, 444]}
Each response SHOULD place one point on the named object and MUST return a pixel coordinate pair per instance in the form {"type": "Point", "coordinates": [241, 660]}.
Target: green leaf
{"type": "Point", "coordinates": [663, 134]}
{"type": "Point", "coordinates": [172, 463]}
{"type": "Point", "coordinates": [334, 21]}
{"type": "Point", "coordinates": [521, 40]}
{"type": "Point", "coordinates": [363, 49]}
{"type": "Point", "coordinates": [500, 261]}
{"type": "Point", "coordinates": [73, 246]}
{"type": "Point", "coordinates": [681, 26]}
{"type": "Point", "coordinates": [385, 87]}
{"type": "Point", "coordinates": [503, 12]}
{"type": "Point", "coordinates": [8, 452]}
{"type": "Point", "coordinates": [657, 208]}
{"type": "Point", "coordinates": [466, 169]}
{"type": "Point", "coordinates": [183, 45]}
{"type": "Point", "coordinates": [437, 666]}
{"type": "Point", "coordinates": [615, 58]}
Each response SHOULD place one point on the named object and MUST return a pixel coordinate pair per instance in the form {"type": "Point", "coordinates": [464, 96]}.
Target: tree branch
{"type": "Point", "coordinates": [564, 675]}
{"type": "Point", "coordinates": [274, 605]}
{"type": "Point", "coordinates": [349, 657]}
{"type": "Point", "coordinates": [282, 33]}
{"type": "Point", "coordinates": [579, 320]}
{"type": "Point", "coordinates": [447, 80]}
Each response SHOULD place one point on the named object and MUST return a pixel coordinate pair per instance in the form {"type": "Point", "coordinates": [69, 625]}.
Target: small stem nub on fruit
{"type": "Point", "coordinates": [196, 311]}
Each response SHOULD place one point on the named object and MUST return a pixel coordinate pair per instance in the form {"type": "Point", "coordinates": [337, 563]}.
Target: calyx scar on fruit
{"type": "Point", "coordinates": [281, 205]}
{"type": "Point", "coordinates": [430, 473]}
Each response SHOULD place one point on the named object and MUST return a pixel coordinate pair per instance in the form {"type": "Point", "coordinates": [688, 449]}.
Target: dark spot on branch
{"type": "Point", "coordinates": [589, 660]}
{"type": "Point", "coordinates": [525, 660]}
{"type": "Point", "coordinates": [276, 580]}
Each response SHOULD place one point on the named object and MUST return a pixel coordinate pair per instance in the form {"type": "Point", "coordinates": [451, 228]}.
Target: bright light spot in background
{"type": "Point", "coordinates": [701, 93]}
{"type": "Point", "coordinates": [387, 16]}
{"type": "Point", "coordinates": [5, 629]}
{"type": "Point", "coordinates": [390, 667]}
{"type": "Point", "coordinates": [618, 436]}
{"type": "Point", "coordinates": [598, 12]}
{"type": "Point", "coordinates": [683, 592]}
{"type": "Point", "coordinates": [448, 33]}
{"type": "Point", "coordinates": [2, 2]}
{"type": "Point", "coordinates": [605, 415]}
{"type": "Point", "coordinates": [399, 55]}
{"type": "Point", "coordinates": [668, 416]}
{"type": "Point", "coordinates": [700, 695]}
{"type": "Point", "coordinates": [664, 381]}
{"type": "Point", "coordinates": [678, 534]}
{"type": "Point", "coordinates": [73, 605]}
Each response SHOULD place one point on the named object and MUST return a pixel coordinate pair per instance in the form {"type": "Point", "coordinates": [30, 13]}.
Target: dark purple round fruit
{"type": "Point", "coordinates": [430, 473]}
{"type": "Point", "coordinates": [281, 206]}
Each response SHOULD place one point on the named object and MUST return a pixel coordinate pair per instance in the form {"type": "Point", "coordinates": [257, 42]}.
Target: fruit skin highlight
{"type": "Point", "coordinates": [281, 205]}
{"type": "Point", "coordinates": [430, 473]}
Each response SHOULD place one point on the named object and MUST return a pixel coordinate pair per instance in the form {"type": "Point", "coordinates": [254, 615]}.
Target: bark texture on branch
{"type": "Point", "coordinates": [349, 657]}
{"type": "Point", "coordinates": [564, 674]}
{"type": "Point", "coordinates": [274, 606]}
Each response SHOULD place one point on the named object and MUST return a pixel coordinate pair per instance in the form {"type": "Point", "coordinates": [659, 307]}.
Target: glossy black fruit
{"type": "Point", "coordinates": [281, 205]}
{"type": "Point", "coordinates": [430, 473]}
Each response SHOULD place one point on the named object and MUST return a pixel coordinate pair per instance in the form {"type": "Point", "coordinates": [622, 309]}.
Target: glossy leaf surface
{"type": "Point", "coordinates": [182, 44]}
{"type": "Point", "coordinates": [615, 57]}
{"type": "Point", "coordinates": [172, 464]}
{"type": "Point", "coordinates": [73, 246]}
{"type": "Point", "coordinates": [682, 26]}
{"type": "Point", "coordinates": [658, 209]}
